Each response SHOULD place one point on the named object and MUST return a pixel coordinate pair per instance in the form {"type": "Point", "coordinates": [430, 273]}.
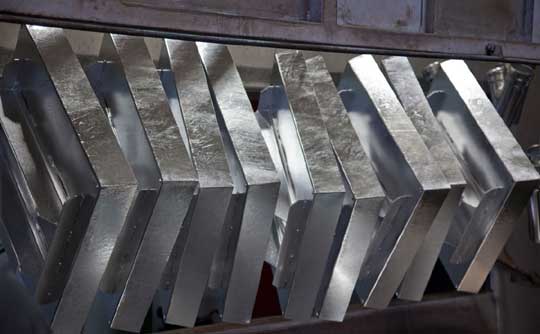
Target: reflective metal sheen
{"type": "Point", "coordinates": [176, 174]}
{"type": "Point", "coordinates": [108, 178]}
{"type": "Point", "coordinates": [499, 175]}
{"type": "Point", "coordinates": [386, 131]}
{"type": "Point", "coordinates": [403, 80]}
{"type": "Point", "coordinates": [364, 199]}
{"type": "Point", "coordinates": [515, 88]}
{"type": "Point", "coordinates": [19, 212]}
{"type": "Point", "coordinates": [241, 254]}
{"type": "Point", "coordinates": [191, 102]}
{"type": "Point", "coordinates": [316, 190]}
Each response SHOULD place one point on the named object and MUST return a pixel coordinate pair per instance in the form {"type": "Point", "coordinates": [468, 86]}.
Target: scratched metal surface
{"type": "Point", "coordinates": [360, 217]}
{"type": "Point", "coordinates": [255, 173]}
{"type": "Point", "coordinates": [194, 109]}
{"type": "Point", "coordinates": [403, 80]}
{"type": "Point", "coordinates": [370, 93]}
{"type": "Point", "coordinates": [491, 159]}
{"type": "Point", "coordinates": [177, 177]}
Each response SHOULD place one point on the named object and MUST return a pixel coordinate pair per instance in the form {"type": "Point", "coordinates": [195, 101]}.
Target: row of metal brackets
{"type": "Point", "coordinates": [128, 182]}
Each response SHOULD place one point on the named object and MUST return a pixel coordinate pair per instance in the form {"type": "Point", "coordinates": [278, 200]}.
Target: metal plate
{"type": "Point", "coordinates": [240, 256]}
{"type": "Point", "coordinates": [185, 82]}
{"type": "Point", "coordinates": [20, 211]}
{"type": "Point", "coordinates": [307, 241]}
{"type": "Point", "coordinates": [108, 80]}
{"type": "Point", "coordinates": [76, 133]}
{"type": "Point", "coordinates": [176, 175]}
{"type": "Point", "coordinates": [499, 175]}
{"type": "Point", "coordinates": [359, 217]}
{"type": "Point", "coordinates": [403, 80]}
{"type": "Point", "coordinates": [387, 132]}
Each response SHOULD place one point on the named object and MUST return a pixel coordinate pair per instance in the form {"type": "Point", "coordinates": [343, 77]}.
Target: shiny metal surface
{"type": "Point", "coordinates": [306, 245]}
{"type": "Point", "coordinates": [16, 222]}
{"type": "Point", "coordinates": [428, 74]}
{"type": "Point", "coordinates": [359, 217]}
{"type": "Point", "coordinates": [385, 131]}
{"type": "Point", "coordinates": [45, 177]}
{"type": "Point", "coordinates": [28, 165]}
{"type": "Point", "coordinates": [19, 211]}
{"type": "Point", "coordinates": [240, 256]}
{"type": "Point", "coordinates": [295, 195]}
{"type": "Point", "coordinates": [283, 204]}
{"type": "Point", "coordinates": [533, 153]}
{"type": "Point", "coordinates": [102, 214]}
{"type": "Point", "coordinates": [174, 171]}
{"type": "Point", "coordinates": [187, 84]}
{"type": "Point", "coordinates": [500, 178]}
{"type": "Point", "coordinates": [106, 177]}
{"type": "Point", "coordinates": [108, 80]}
{"type": "Point", "coordinates": [403, 80]}
{"type": "Point", "coordinates": [516, 86]}
{"type": "Point", "coordinates": [495, 81]}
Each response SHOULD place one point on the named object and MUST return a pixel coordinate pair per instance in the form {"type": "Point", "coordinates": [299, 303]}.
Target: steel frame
{"type": "Point", "coordinates": [324, 34]}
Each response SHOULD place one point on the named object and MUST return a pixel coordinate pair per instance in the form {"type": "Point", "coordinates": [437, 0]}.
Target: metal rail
{"type": "Point", "coordinates": [330, 25]}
